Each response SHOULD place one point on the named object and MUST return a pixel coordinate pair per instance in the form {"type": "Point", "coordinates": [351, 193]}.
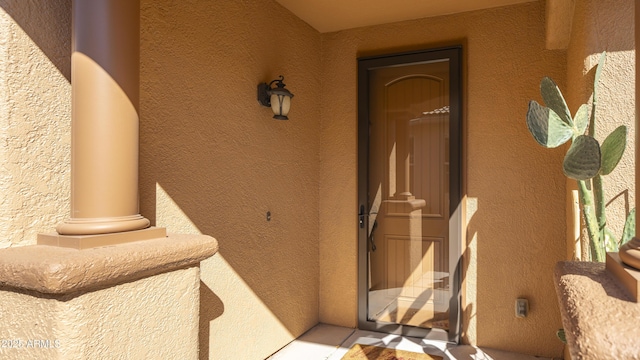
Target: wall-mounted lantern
{"type": "Point", "coordinates": [278, 98]}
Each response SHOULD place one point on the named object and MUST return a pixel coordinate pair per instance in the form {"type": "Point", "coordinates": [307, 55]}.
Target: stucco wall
{"type": "Point", "coordinates": [515, 192]}
{"type": "Point", "coordinates": [593, 32]}
{"type": "Point", "coordinates": [35, 118]}
{"type": "Point", "coordinates": [151, 318]}
{"type": "Point", "coordinates": [214, 161]}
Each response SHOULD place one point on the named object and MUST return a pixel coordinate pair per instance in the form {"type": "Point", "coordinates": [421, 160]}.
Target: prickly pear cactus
{"type": "Point", "coordinates": [586, 160]}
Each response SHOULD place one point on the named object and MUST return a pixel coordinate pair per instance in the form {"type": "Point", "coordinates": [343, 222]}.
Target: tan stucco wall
{"type": "Point", "coordinates": [151, 318]}
{"type": "Point", "coordinates": [214, 161]}
{"type": "Point", "coordinates": [35, 118]}
{"type": "Point", "coordinates": [593, 32]}
{"type": "Point", "coordinates": [517, 230]}
{"type": "Point", "coordinates": [205, 140]}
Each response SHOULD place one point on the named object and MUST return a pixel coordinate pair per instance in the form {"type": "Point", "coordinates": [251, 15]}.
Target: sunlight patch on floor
{"type": "Point", "coordinates": [328, 342]}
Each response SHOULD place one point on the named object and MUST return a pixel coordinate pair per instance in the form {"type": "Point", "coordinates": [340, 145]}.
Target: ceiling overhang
{"type": "Point", "coordinates": [334, 15]}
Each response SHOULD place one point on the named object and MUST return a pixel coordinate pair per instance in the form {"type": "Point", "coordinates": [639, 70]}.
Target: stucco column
{"type": "Point", "coordinates": [630, 252]}
{"type": "Point", "coordinates": [104, 145]}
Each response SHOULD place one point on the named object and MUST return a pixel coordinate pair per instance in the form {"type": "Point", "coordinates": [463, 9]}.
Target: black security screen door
{"type": "Point", "coordinates": [409, 122]}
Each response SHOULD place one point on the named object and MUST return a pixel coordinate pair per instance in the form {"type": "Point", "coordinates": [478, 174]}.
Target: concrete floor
{"type": "Point", "coordinates": [328, 342]}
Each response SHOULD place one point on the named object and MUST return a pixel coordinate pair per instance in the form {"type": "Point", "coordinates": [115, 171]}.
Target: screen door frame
{"type": "Point", "coordinates": [365, 65]}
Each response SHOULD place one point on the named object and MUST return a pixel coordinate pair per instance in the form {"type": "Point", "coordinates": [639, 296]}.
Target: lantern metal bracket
{"type": "Point", "coordinates": [264, 91]}
{"type": "Point", "coordinates": [263, 94]}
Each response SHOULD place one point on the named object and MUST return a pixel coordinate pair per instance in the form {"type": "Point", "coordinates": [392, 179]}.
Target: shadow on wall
{"type": "Point", "coordinates": [609, 116]}
{"type": "Point", "coordinates": [218, 153]}
{"type": "Point", "coordinates": [509, 250]}
{"type": "Point", "coordinates": [225, 162]}
{"type": "Point", "coordinates": [468, 280]}
{"type": "Point", "coordinates": [213, 309]}
{"type": "Point", "coordinates": [46, 22]}
{"type": "Point", "coordinates": [468, 259]}
{"type": "Point", "coordinates": [624, 197]}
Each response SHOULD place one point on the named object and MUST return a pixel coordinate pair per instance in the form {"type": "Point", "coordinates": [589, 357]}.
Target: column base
{"type": "Point", "coordinates": [90, 241]}
{"type": "Point", "coordinates": [108, 225]}
{"type": "Point", "coordinates": [404, 206]}
{"type": "Point", "coordinates": [138, 300]}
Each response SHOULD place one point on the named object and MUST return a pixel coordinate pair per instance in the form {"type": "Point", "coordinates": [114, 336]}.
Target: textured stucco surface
{"type": "Point", "coordinates": [152, 318]}
{"type": "Point", "coordinates": [592, 34]}
{"type": "Point", "coordinates": [517, 231]}
{"type": "Point", "coordinates": [60, 270]}
{"type": "Point", "coordinates": [35, 118]}
{"type": "Point", "coordinates": [598, 314]}
{"type": "Point", "coordinates": [213, 154]}
{"type": "Point", "coordinates": [221, 162]}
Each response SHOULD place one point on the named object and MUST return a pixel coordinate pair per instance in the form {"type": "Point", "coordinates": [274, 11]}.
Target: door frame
{"type": "Point", "coordinates": [365, 65]}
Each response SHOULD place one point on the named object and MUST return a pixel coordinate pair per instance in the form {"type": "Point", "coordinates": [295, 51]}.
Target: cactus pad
{"type": "Point", "coordinates": [583, 159]}
{"type": "Point", "coordinates": [546, 126]}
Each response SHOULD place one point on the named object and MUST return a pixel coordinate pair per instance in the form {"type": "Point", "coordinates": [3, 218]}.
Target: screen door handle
{"type": "Point", "coordinates": [361, 216]}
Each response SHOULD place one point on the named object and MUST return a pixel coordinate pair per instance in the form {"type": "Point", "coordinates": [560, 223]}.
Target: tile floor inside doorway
{"type": "Point", "coordinates": [328, 342]}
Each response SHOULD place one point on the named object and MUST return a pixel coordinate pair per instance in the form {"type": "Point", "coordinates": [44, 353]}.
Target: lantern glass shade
{"type": "Point", "coordinates": [280, 105]}
{"type": "Point", "coordinates": [278, 98]}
